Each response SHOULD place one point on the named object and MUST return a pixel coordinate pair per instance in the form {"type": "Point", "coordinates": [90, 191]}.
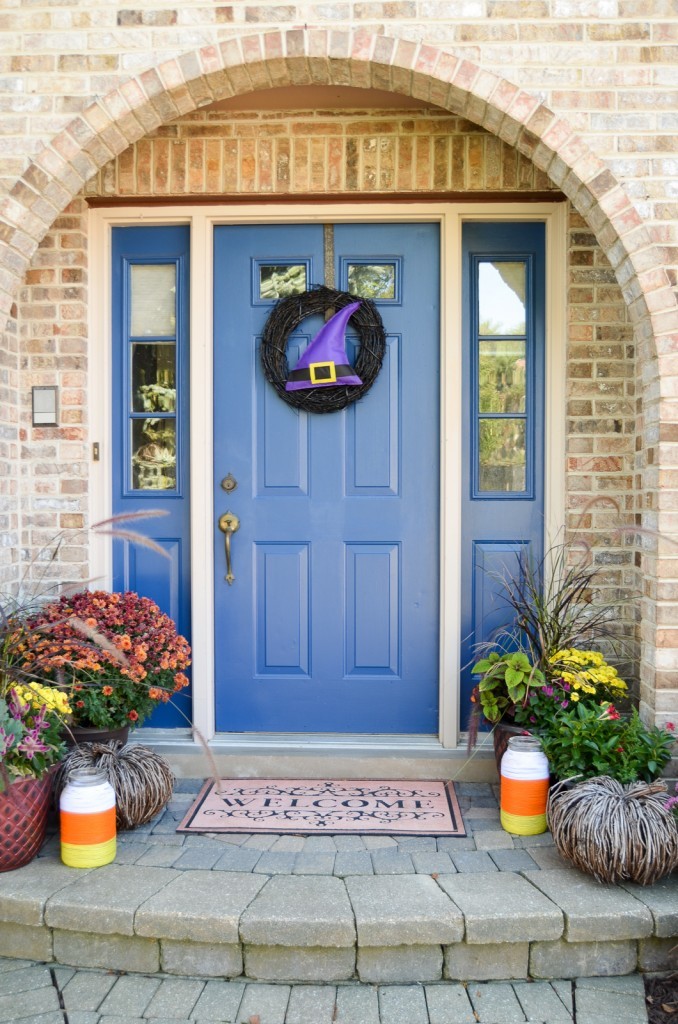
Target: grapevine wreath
{"type": "Point", "coordinates": [286, 316]}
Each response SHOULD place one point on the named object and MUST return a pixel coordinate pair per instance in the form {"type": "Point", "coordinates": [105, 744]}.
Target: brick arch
{"type": "Point", "coordinates": [361, 59]}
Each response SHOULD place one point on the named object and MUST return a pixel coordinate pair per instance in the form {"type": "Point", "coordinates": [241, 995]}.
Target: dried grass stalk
{"type": "Point", "coordinates": [143, 780]}
{"type": "Point", "coordinates": [613, 831]}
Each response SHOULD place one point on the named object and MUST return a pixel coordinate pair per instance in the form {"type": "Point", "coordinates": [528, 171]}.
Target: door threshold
{"type": "Point", "coordinates": [396, 742]}
{"type": "Point", "coordinates": [298, 755]}
{"type": "Point", "coordinates": [331, 741]}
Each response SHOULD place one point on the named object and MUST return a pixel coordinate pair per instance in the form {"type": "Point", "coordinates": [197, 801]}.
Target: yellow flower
{"type": "Point", "coordinates": [586, 670]}
{"type": "Point", "coordinates": [574, 696]}
{"type": "Point", "coordinates": [36, 695]}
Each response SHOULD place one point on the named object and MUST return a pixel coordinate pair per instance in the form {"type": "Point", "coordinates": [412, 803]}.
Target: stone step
{"type": "Point", "coordinates": [56, 994]}
{"type": "Point", "coordinates": [379, 929]}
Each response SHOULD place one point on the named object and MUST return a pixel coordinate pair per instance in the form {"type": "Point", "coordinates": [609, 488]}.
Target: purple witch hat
{"type": "Point", "coordinates": [325, 361]}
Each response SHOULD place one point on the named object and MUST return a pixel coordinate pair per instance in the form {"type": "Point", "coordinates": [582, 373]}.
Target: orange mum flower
{"type": "Point", "coordinates": [150, 672]}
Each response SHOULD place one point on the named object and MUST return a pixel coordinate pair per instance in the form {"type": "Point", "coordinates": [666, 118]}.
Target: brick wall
{"type": "Point", "coordinates": [249, 153]}
{"type": "Point", "coordinates": [583, 93]}
{"type": "Point", "coordinates": [9, 453]}
{"type": "Point", "coordinates": [607, 65]}
{"type": "Point", "coordinates": [601, 430]}
{"type": "Point", "coordinates": [53, 351]}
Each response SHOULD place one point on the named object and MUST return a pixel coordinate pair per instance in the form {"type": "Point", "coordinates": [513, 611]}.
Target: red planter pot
{"type": "Point", "coordinates": [23, 820]}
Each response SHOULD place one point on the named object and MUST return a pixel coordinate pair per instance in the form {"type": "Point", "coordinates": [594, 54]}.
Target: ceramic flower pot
{"type": "Point", "coordinates": [78, 734]}
{"type": "Point", "coordinates": [24, 806]}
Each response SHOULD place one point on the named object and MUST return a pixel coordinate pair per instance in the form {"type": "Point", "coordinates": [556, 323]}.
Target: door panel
{"type": "Point", "coordinates": [331, 624]}
{"type": "Point", "coordinates": [150, 360]}
{"type": "Point", "coordinates": [503, 286]}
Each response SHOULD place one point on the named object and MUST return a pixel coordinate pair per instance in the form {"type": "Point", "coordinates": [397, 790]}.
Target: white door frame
{"type": "Point", "coordinates": [202, 220]}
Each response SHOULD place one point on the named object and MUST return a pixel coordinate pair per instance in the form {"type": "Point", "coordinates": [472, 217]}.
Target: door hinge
{"type": "Point", "coordinates": [96, 451]}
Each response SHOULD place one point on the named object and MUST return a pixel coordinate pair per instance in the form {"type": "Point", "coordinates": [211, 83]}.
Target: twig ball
{"type": "Point", "coordinates": [616, 832]}
{"type": "Point", "coordinates": [143, 780]}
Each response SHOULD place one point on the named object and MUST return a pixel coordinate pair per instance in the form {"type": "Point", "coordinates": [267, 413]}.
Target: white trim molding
{"type": "Point", "coordinates": [202, 220]}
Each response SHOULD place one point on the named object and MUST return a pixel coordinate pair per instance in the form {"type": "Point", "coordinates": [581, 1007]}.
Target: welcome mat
{"type": "Point", "coordinates": [306, 807]}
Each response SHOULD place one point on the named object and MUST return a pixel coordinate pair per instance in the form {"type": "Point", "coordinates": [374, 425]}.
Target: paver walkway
{"type": "Point", "coordinates": [34, 993]}
{"type": "Point", "coordinates": [294, 920]}
{"type": "Point", "coordinates": [486, 846]}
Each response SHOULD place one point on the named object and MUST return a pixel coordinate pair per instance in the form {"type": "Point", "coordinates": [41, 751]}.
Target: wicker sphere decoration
{"type": "Point", "coordinates": [284, 319]}
{"type": "Point", "coordinates": [143, 780]}
{"type": "Point", "coordinates": [614, 831]}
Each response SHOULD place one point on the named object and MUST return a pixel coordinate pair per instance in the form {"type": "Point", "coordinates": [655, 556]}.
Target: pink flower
{"type": "Point", "coordinates": [670, 726]}
{"type": "Point", "coordinates": [31, 745]}
{"type": "Point", "coordinates": [6, 742]}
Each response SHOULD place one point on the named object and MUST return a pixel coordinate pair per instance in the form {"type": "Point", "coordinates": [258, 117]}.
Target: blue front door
{"type": "Point", "coordinates": [331, 621]}
{"type": "Point", "coordinates": [503, 283]}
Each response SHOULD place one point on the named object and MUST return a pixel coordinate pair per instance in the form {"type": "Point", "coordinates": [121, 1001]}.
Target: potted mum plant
{"type": "Point", "coordinates": [115, 655]}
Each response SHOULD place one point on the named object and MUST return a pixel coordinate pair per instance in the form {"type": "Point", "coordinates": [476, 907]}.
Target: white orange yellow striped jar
{"type": "Point", "coordinates": [87, 818]}
{"type": "Point", "coordinates": [524, 786]}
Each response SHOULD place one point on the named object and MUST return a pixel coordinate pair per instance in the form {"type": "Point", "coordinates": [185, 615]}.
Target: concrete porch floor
{"type": "Point", "coordinates": [395, 917]}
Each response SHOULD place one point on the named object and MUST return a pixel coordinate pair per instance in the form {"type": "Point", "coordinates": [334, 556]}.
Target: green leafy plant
{"type": "Point", "coordinates": [508, 680]}
{"type": "Point", "coordinates": [31, 731]}
{"type": "Point", "coordinates": [32, 715]}
{"type": "Point", "coordinates": [587, 740]}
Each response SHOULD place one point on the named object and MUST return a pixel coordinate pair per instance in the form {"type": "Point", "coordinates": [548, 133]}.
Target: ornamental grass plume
{"type": "Point", "coordinates": [552, 604]}
{"type": "Point", "coordinates": [115, 655]}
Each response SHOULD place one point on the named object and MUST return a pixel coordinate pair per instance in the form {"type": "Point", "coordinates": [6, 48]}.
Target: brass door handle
{"type": "Point", "coordinates": [228, 524]}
